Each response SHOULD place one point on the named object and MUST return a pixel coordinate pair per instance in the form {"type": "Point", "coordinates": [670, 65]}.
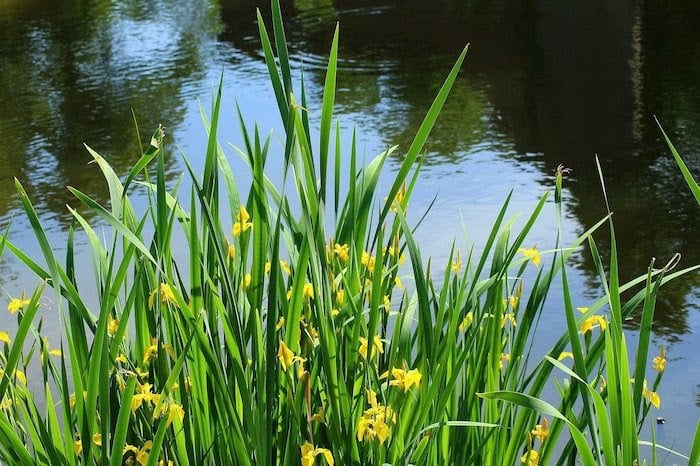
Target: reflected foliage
{"type": "Point", "coordinates": [71, 72]}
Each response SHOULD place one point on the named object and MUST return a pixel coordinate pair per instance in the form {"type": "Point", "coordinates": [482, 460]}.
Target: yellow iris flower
{"type": "Point", "coordinates": [373, 423]}
{"type": "Point", "coordinates": [308, 291]}
{"type": "Point", "coordinates": [405, 379]}
{"type": "Point", "coordinates": [368, 260]}
{"type": "Point", "coordinates": [378, 346]}
{"type": "Point", "coordinates": [164, 292]}
{"type": "Point", "coordinates": [532, 254]}
{"type": "Point", "coordinates": [342, 251]}
{"type": "Point", "coordinates": [456, 264]}
{"type": "Point", "coordinates": [531, 458]}
{"type": "Point", "coordinates": [660, 361]}
{"type": "Point", "coordinates": [652, 397]}
{"type": "Point", "coordinates": [17, 303]}
{"type": "Point", "coordinates": [309, 454]}
{"type": "Point", "coordinates": [592, 322]}
{"type": "Point", "coordinates": [112, 325]}
{"type": "Point", "coordinates": [503, 358]}
{"type": "Point", "coordinates": [541, 431]}
{"type": "Point", "coordinates": [173, 410]}
{"type": "Point", "coordinates": [242, 224]}
{"type": "Point", "coordinates": [286, 357]}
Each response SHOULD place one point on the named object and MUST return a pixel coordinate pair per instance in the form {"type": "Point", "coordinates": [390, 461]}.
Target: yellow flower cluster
{"type": "Point", "coordinates": [151, 351]}
{"type": "Point", "coordinates": [373, 423]}
{"type": "Point", "coordinates": [368, 260]}
{"type": "Point", "coordinates": [503, 358]}
{"type": "Point", "coordinates": [508, 317]}
{"type": "Point", "coordinates": [46, 349]}
{"type": "Point", "coordinates": [141, 455]}
{"type": "Point", "coordinates": [145, 394]}
{"type": "Point", "coordinates": [541, 431]}
{"type": "Point", "coordinates": [283, 264]}
{"type": "Point", "coordinates": [394, 250]}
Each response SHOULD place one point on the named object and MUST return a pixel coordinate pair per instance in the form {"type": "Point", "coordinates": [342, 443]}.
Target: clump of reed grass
{"type": "Point", "coordinates": [290, 335]}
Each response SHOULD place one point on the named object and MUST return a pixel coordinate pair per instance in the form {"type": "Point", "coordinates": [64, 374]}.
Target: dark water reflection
{"type": "Point", "coordinates": [545, 82]}
{"type": "Point", "coordinates": [72, 71]}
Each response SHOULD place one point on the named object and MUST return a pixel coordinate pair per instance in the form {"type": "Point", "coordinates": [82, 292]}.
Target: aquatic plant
{"type": "Point", "coordinates": [303, 325]}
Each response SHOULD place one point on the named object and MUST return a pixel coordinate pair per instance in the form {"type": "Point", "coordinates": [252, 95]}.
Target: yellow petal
{"type": "Point", "coordinates": [382, 431]}
{"type": "Point", "coordinates": [564, 355]}
{"type": "Point", "coordinates": [285, 356]}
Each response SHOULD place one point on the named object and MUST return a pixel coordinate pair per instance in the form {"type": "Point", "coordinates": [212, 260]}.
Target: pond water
{"type": "Point", "coordinates": [545, 82]}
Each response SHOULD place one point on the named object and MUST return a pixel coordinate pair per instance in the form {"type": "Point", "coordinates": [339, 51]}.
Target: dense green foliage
{"type": "Point", "coordinates": [303, 326]}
